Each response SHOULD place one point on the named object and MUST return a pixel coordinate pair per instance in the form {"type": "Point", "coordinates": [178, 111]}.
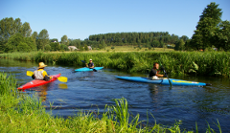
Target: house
{"type": "Point", "coordinates": [72, 48]}
{"type": "Point", "coordinates": [89, 48]}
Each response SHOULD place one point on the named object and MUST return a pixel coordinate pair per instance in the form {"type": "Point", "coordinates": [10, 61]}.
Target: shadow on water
{"type": "Point", "coordinates": [93, 90]}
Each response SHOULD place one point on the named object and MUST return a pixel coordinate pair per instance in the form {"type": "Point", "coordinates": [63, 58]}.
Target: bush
{"type": "Point", "coordinates": [23, 47]}
{"type": "Point", "coordinates": [47, 47]}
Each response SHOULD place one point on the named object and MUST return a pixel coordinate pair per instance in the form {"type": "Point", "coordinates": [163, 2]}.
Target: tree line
{"type": "Point", "coordinates": [18, 37]}
{"type": "Point", "coordinates": [147, 39]}
{"type": "Point", "coordinates": [211, 32]}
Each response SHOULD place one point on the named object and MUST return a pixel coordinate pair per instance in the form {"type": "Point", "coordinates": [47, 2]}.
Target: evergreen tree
{"type": "Point", "coordinates": [207, 26]}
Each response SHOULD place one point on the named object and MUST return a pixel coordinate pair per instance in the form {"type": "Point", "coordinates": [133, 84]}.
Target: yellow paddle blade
{"type": "Point", "coordinates": [63, 79]}
{"type": "Point", "coordinates": [29, 73]}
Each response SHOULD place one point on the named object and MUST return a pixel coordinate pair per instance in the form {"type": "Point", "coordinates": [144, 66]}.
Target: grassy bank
{"type": "Point", "coordinates": [21, 113]}
{"type": "Point", "coordinates": [200, 63]}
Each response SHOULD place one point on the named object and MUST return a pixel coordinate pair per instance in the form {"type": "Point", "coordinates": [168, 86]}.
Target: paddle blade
{"type": "Point", "coordinates": [63, 79]}
{"type": "Point", "coordinates": [29, 73]}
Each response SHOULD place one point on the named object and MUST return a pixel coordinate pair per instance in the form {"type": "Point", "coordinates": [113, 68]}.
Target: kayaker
{"type": "Point", "coordinates": [90, 64]}
{"type": "Point", "coordinates": [154, 73]}
{"type": "Point", "coordinates": [41, 73]}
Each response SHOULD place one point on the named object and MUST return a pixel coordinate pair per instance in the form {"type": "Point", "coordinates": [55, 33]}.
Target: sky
{"type": "Point", "coordinates": [78, 19]}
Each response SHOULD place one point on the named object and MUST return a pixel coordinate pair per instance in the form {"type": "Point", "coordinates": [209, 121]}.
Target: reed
{"type": "Point", "coordinates": [200, 63]}
{"type": "Point", "coordinates": [178, 63]}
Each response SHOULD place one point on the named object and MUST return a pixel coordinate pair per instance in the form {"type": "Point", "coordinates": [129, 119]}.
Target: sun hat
{"type": "Point", "coordinates": [41, 65]}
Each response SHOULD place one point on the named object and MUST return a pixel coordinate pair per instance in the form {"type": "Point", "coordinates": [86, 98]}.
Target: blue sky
{"type": "Point", "coordinates": [80, 18]}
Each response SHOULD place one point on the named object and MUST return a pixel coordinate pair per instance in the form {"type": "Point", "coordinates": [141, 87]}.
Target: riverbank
{"type": "Point", "coordinates": [199, 63]}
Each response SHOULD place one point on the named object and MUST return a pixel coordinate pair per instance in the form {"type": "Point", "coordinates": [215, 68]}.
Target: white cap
{"type": "Point", "coordinates": [90, 59]}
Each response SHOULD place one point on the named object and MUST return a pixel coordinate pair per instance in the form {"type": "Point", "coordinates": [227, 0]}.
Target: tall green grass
{"type": "Point", "coordinates": [200, 63]}
{"type": "Point", "coordinates": [22, 113]}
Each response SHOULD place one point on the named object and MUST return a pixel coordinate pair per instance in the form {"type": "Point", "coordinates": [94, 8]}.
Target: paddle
{"type": "Point", "coordinates": [166, 74]}
{"type": "Point", "coordinates": [88, 67]}
{"type": "Point", "coordinates": [62, 79]}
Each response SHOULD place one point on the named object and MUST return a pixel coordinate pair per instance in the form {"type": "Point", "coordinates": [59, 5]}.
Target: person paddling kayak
{"type": "Point", "coordinates": [90, 64]}
{"type": "Point", "coordinates": [154, 73]}
{"type": "Point", "coordinates": [41, 73]}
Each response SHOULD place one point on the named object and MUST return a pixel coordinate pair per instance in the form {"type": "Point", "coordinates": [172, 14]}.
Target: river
{"type": "Point", "coordinates": [93, 90]}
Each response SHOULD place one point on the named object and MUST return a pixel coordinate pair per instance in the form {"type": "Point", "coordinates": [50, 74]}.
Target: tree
{"type": "Point", "coordinates": [31, 43]}
{"type": "Point", "coordinates": [54, 46]}
{"type": "Point", "coordinates": [162, 44]}
{"type": "Point", "coordinates": [81, 48]}
{"type": "Point", "coordinates": [223, 36]}
{"type": "Point", "coordinates": [64, 40]}
{"type": "Point", "coordinates": [26, 30]}
{"type": "Point", "coordinates": [43, 39]}
{"type": "Point", "coordinates": [86, 48]}
{"type": "Point", "coordinates": [63, 47]}
{"type": "Point", "coordinates": [23, 47]}
{"type": "Point", "coordinates": [103, 44]}
{"type": "Point", "coordinates": [13, 42]}
{"type": "Point", "coordinates": [8, 27]}
{"type": "Point", "coordinates": [100, 46]}
{"type": "Point", "coordinates": [19, 43]}
{"type": "Point", "coordinates": [196, 41]}
{"type": "Point", "coordinates": [155, 43]}
{"type": "Point", "coordinates": [54, 40]}
{"type": "Point", "coordinates": [75, 42]}
{"type": "Point", "coordinates": [180, 45]}
{"type": "Point", "coordinates": [17, 26]}
{"type": "Point", "coordinates": [47, 47]}
{"type": "Point", "coordinates": [184, 38]}
{"type": "Point", "coordinates": [207, 26]}
{"type": "Point", "coordinates": [34, 35]}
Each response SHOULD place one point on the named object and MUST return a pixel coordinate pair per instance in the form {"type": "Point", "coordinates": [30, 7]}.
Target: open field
{"type": "Point", "coordinates": [122, 49]}
{"type": "Point", "coordinates": [130, 49]}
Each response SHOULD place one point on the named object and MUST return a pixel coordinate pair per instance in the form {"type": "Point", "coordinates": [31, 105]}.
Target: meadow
{"type": "Point", "coordinates": [175, 63]}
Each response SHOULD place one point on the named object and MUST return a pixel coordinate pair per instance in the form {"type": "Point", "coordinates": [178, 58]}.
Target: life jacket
{"type": "Point", "coordinates": [38, 74]}
{"type": "Point", "coordinates": [90, 64]}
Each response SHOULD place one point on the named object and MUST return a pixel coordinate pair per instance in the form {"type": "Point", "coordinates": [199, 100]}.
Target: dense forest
{"type": "Point", "coordinates": [211, 33]}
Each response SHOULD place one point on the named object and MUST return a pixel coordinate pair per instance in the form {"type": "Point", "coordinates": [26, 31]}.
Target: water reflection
{"type": "Point", "coordinates": [42, 91]}
{"type": "Point", "coordinates": [63, 86]}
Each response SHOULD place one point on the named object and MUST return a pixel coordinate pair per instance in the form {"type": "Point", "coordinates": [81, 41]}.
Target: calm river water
{"type": "Point", "coordinates": [93, 90]}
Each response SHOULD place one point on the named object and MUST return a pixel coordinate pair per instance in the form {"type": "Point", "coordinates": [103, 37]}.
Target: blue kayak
{"type": "Point", "coordinates": [163, 81]}
{"type": "Point", "coordinates": [84, 69]}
